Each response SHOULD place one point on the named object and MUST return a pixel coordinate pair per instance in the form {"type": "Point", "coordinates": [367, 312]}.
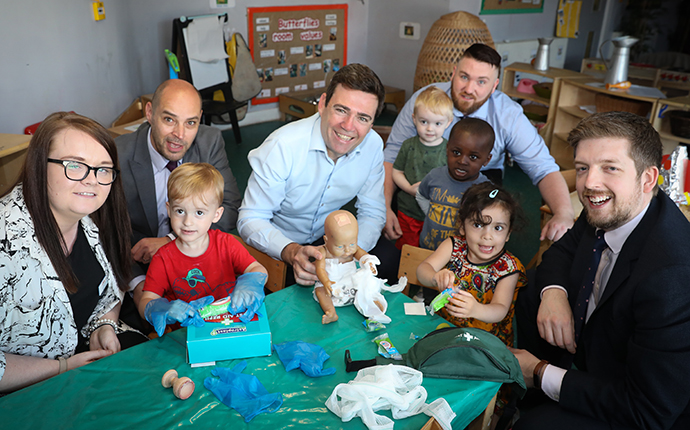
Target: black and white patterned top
{"type": "Point", "coordinates": [35, 314]}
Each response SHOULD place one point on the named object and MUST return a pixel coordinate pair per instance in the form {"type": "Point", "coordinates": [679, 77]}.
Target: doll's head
{"type": "Point", "coordinates": [340, 235]}
{"type": "Point", "coordinates": [486, 217]}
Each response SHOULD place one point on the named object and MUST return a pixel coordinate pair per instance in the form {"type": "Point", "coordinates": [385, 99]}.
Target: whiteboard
{"type": "Point", "coordinates": [206, 75]}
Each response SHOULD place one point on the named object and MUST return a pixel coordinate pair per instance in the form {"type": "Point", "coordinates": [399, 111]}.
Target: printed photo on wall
{"type": "Point", "coordinates": [317, 50]}
{"type": "Point", "coordinates": [334, 33]}
{"type": "Point", "coordinates": [268, 74]}
{"type": "Point", "coordinates": [326, 66]}
{"type": "Point", "coordinates": [310, 51]}
{"type": "Point", "coordinates": [281, 57]}
{"type": "Point", "coordinates": [293, 70]}
{"type": "Point", "coordinates": [263, 40]}
{"type": "Point", "coordinates": [336, 64]}
{"type": "Point", "coordinates": [303, 69]}
{"type": "Point", "coordinates": [260, 72]}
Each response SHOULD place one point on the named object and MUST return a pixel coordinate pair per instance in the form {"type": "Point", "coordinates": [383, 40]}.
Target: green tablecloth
{"type": "Point", "coordinates": [124, 390]}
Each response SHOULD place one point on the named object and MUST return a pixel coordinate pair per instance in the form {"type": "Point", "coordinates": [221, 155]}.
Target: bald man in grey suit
{"type": "Point", "coordinates": [172, 136]}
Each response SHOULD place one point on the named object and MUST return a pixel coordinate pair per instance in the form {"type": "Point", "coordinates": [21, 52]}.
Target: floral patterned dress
{"type": "Point", "coordinates": [480, 281]}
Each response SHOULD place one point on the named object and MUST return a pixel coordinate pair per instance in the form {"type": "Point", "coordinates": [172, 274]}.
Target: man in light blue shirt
{"type": "Point", "coordinates": [473, 91]}
{"type": "Point", "coordinates": [312, 167]}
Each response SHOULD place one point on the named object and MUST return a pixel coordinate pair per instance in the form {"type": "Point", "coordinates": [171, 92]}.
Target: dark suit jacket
{"type": "Point", "coordinates": [137, 178]}
{"type": "Point", "coordinates": [635, 348]}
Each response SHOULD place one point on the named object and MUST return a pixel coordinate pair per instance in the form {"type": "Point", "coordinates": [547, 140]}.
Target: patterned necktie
{"type": "Point", "coordinates": [583, 296]}
{"type": "Point", "coordinates": [171, 165]}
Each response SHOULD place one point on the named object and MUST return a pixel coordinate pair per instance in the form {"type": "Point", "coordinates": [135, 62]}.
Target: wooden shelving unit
{"type": "Point", "coordinates": [573, 95]}
{"type": "Point", "coordinates": [662, 124]}
{"type": "Point", "coordinates": [554, 74]}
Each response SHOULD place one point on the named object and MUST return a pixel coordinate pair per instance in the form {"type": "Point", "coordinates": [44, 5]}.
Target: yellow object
{"type": "Point", "coordinates": [231, 49]}
{"type": "Point", "coordinates": [98, 10]}
{"type": "Point", "coordinates": [621, 85]}
{"type": "Point", "coordinates": [442, 325]}
{"type": "Point", "coordinates": [568, 19]}
{"type": "Point", "coordinates": [218, 96]}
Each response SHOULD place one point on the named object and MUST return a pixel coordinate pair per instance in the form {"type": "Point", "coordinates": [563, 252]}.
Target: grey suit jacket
{"type": "Point", "coordinates": [140, 192]}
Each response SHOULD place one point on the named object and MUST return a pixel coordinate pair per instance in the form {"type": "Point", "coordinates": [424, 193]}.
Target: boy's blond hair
{"type": "Point", "coordinates": [195, 179]}
{"type": "Point", "coordinates": [436, 101]}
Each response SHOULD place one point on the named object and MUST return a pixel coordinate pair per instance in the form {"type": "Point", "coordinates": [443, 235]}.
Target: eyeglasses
{"type": "Point", "coordinates": [78, 171]}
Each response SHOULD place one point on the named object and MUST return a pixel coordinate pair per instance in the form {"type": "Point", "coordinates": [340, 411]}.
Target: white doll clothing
{"type": "Point", "coordinates": [343, 288]}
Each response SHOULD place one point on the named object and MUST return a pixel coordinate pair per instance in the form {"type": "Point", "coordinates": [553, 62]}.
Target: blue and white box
{"type": "Point", "coordinates": [228, 341]}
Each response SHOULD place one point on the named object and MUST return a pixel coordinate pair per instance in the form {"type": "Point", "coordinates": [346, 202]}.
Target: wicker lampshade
{"type": "Point", "coordinates": [446, 42]}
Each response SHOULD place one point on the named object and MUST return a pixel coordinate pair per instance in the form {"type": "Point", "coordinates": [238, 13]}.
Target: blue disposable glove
{"type": "Point", "coordinates": [161, 312]}
{"type": "Point", "coordinates": [306, 356]}
{"type": "Point", "coordinates": [243, 393]}
{"type": "Point", "coordinates": [248, 295]}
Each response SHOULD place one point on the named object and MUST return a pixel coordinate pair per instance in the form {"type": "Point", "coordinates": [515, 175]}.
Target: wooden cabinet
{"type": "Point", "coordinates": [12, 154]}
{"type": "Point", "coordinates": [553, 74]}
{"type": "Point", "coordinates": [577, 100]}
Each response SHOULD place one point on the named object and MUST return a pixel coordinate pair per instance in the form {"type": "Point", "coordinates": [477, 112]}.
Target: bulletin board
{"type": "Point", "coordinates": [296, 48]}
{"type": "Point", "coordinates": [490, 7]}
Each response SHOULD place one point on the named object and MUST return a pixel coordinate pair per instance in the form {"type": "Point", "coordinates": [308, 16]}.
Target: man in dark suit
{"type": "Point", "coordinates": [630, 352]}
{"type": "Point", "coordinates": [172, 136]}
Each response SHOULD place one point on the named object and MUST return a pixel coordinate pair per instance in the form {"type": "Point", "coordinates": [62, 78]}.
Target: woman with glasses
{"type": "Point", "coordinates": [64, 254]}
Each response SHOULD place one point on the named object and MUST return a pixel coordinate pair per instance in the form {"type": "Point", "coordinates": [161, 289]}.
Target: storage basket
{"type": "Point", "coordinates": [680, 122]}
{"type": "Point", "coordinates": [607, 103]}
{"type": "Point", "coordinates": [445, 43]}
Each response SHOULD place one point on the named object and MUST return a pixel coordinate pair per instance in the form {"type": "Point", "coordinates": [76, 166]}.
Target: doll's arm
{"type": "Point", "coordinates": [368, 260]}
{"type": "Point", "coordinates": [360, 253]}
{"type": "Point", "coordinates": [323, 275]}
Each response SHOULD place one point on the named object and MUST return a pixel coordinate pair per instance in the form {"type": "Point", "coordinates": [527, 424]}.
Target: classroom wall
{"type": "Point", "coordinates": [395, 59]}
{"type": "Point", "coordinates": [56, 57]}
{"type": "Point", "coordinates": [153, 67]}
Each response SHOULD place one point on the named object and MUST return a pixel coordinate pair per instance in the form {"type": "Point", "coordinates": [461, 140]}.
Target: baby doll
{"type": "Point", "coordinates": [336, 286]}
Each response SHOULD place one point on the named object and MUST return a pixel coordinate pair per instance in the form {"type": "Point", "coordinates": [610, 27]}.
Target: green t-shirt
{"type": "Point", "coordinates": [415, 160]}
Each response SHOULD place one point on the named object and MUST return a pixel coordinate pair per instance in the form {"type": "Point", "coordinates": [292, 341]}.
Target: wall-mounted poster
{"type": "Point", "coordinates": [490, 7]}
{"type": "Point", "coordinates": [296, 48]}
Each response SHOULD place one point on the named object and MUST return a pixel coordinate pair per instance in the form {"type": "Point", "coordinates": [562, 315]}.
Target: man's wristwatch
{"type": "Point", "coordinates": [539, 373]}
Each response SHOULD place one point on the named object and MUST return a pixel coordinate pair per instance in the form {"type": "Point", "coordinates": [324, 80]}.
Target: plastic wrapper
{"type": "Point", "coordinates": [372, 325]}
{"type": "Point", "coordinates": [672, 175]}
{"type": "Point", "coordinates": [440, 300]}
{"type": "Point", "coordinates": [386, 348]}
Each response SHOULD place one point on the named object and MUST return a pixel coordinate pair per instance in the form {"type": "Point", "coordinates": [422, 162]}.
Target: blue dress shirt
{"type": "Point", "coordinates": [295, 185]}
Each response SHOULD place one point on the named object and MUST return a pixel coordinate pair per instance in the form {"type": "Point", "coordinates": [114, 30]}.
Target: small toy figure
{"type": "Point", "coordinates": [341, 256]}
{"type": "Point", "coordinates": [183, 387]}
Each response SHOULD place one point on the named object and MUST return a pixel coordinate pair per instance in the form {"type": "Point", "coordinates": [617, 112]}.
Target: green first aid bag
{"type": "Point", "coordinates": [458, 353]}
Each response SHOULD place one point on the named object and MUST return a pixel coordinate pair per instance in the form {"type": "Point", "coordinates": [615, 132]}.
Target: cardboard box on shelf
{"type": "Point", "coordinates": [134, 112]}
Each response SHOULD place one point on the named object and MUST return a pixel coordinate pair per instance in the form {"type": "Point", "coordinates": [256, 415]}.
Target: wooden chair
{"type": "Point", "coordinates": [482, 422]}
{"type": "Point", "coordinates": [410, 257]}
{"type": "Point", "coordinates": [276, 269]}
